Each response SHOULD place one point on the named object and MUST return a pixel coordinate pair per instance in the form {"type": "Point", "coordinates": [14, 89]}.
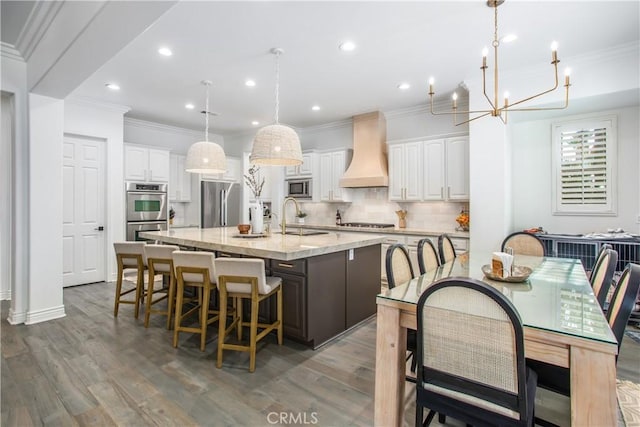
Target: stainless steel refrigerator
{"type": "Point", "coordinates": [219, 204]}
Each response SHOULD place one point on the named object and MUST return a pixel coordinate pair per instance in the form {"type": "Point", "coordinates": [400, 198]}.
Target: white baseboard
{"type": "Point", "coordinates": [5, 295]}
{"type": "Point", "coordinates": [44, 315]}
{"type": "Point", "coordinates": [16, 318]}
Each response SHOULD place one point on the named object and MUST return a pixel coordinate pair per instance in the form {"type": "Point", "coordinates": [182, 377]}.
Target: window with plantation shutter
{"type": "Point", "coordinates": [584, 156]}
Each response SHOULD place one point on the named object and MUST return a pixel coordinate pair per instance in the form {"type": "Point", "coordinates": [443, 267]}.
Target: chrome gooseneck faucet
{"type": "Point", "coordinates": [283, 224]}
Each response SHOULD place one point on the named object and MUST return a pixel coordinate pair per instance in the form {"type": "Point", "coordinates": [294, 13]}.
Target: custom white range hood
{"type": "Point", "coordinates": [368, 166]}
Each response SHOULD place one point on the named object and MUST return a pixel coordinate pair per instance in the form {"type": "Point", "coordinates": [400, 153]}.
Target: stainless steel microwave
{"type": "Point", "coordinates": [299, 188]}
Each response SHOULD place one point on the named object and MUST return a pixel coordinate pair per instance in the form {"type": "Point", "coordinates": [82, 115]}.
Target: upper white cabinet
{"type": "Point", "coordinates": [405, 172]}
{"type": "Point", "coordinates": [446, 163]}
{"type": "Point", "coordinates": [233, 173]}
{"type": "Point", "coordinates": [458, 168]}
{"type": "Point", "coordinates": [306, 169]}
{"type": "Point", "coordinates": [332, 167]}
{"type": "Point", "coordinates": [146, 164]}
{"type": "Point", "coordinates": [180, 181]}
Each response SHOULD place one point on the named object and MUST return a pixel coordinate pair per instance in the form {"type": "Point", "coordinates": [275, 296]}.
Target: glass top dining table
{"type": "Point", "coordinates": [557, 296]}
{"type": "Point", "coordinates": [563, 326]}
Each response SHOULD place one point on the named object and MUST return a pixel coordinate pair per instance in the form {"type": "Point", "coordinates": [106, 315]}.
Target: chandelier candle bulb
{"type": "Point", "coordinates": [554, 53]}
{"type": "Point", "coordinates": [506, 99]}
{"type": "Point", "coordinates": [455, 100]}
{"type": "Point", "coordinates": [485, 52]}
{"type": "Point", "coordinates": [431, 81]}
{"type": "Point", "coordinates": [567, 74]}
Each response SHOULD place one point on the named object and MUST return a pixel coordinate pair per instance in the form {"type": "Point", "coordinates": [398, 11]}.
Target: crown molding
{"type": "Point", "coordinates": [38, 22]}
{"type": "Point", "coordinates": [338, 124]}
{"type": "Point", "coordinates": [9, 51]}
{"type": "Point", "coordinates": [143, 124]}
{"type": "Point", "coordinates": [88, 102]}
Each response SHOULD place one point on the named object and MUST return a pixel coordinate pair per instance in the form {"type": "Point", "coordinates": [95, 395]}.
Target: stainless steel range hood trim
{"type": "Point", "coordinates": [368, 167]}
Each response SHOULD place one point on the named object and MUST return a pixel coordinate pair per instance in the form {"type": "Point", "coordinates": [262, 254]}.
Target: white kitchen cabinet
{"type": "Point", "coordinates": [306, 169]}
{"type": "Point", "coordinates": [458, 168]}
{"type": "Point", "coordinates": [179, 180]}
{"type": "Point", "coordinates": [233, 173]}
{"type": "Point", "coordinates": [405, 172]}
{"type": "Point", "coordinates": [145, 164]}
{"type": "Point", "coordinates": [446, 164]}
{"type": "Point", "coordinates": [332, 167]}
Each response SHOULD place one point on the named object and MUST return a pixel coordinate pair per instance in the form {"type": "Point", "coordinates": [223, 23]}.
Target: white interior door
{"type": "Point", "coordinates": [83, 210]}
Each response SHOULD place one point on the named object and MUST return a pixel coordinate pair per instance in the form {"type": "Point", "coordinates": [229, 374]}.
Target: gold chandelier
{"type": "Point", "coordinates": [496, 110]}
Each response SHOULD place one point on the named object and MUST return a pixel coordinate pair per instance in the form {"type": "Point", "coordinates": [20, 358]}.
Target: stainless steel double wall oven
{"type": "Point", "coordinates": [146, 208]}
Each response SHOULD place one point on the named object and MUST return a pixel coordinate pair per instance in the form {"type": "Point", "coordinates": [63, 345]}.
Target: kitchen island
{"type": "Point", "coordinates": [330, 281]}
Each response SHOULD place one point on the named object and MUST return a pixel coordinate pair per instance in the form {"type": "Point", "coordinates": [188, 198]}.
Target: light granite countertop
{"type": "Point", "coordinates": [390, 230]}
{"type": "Point", "coordinates": [276, 246]}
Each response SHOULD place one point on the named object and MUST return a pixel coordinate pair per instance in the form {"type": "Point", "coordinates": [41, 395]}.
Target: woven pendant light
{"type": "Point", "coordinates": [204, 156]}
{"type": "Point", "coordinates": [276, 145]}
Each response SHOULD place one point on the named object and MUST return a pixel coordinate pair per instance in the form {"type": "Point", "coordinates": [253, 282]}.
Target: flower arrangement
{"type": "Point", "coordinates": [253, 181]}
{"type": "Point", "coordinates": [463, 220]}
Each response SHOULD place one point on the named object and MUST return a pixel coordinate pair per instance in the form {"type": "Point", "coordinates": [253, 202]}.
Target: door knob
{"type": "Point", "coordinates": [101, 228]}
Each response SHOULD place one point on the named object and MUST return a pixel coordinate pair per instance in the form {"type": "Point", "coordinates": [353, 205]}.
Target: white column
{"type": "Point", "coordinates": [46, 120]}
{"type": "Point", "coordinates": [490, 179]}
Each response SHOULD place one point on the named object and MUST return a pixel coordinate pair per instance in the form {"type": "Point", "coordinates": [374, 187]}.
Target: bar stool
{"type": "Point", "coordinates": [244, 278]}
{"type": "Point", "coordinates": [130, 256]}
{"type": "Point", "coordinates": [159, 261]}
{"type": "Point", "coordinates": [197, 270]}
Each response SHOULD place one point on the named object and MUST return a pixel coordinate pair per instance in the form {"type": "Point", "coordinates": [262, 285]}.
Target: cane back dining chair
{"type": "Point", "coordinates": [428, 258]}
{"type": "Point", "coordinates": [159, 261]}
{"type": "Point", "coordinates": [474, 374]}
{"type": "Point", "coordinates": [244, 278]}
{"type": "Point", "coordinates": [446, 249]}
{"type": "Point", "coordinates": [556, 378]}
{"type": "Point", "coordinates": [195, 270]}
{"type": "Point", "coordinates": [524, 243]}
{"type": "Point", "coordinates": [131, 258]}
{"type": "Point", "coordinates": [602, 274]}
{"type": "Point", "coordinates": [399, 270]}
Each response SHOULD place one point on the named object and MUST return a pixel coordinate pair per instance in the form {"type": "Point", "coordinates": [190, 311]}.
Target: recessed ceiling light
{"type": "Point", "coordinates": [165, 51]}
{"type": "Point", "coordinates": [316, 108]}
{"type": "Point", "coordinates": [347, 46]}
{"type": "Point", "coordinates": [404, 86]}
{"type": "Point", "coordinates": [189, 106]}
{"type": "Point", "coordinates": [509, 38]}
{"type": "Point", "coordinates": [112, 86]}
{"type": "Point", "coordinates": [250, 83]}
{"type": "Point", "coordinates": [255, 123]}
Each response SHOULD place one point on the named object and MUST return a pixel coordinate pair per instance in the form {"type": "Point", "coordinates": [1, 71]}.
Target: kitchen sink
{"type": "Point", "coordinates": [304, 232]}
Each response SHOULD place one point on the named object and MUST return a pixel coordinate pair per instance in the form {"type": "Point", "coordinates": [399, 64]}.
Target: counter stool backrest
{"type": "Point", "coordinates": [398, 265]}
{"type": "Point", "coordinates": [127, 251]}
{"type": "Point", "coordinates": [524, 243]}
{"type": "Point", "coordinates": [187, 259]}
{"type": "Point", "coordinates": [247, 267]}
{"type": "Point", "coordinates": [160, 252]}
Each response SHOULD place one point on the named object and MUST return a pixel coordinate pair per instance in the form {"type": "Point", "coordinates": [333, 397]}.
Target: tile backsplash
{"type": "Point", "coordinates": [372, 205]}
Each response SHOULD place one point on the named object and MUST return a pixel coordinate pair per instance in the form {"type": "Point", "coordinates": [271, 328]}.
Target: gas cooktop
{"type": "Point", "coordinates": [367, 225]}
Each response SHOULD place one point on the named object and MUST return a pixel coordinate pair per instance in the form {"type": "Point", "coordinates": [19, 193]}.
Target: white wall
{"type": "Point", "coordinates": [532, 184]}
{"type": "Point", "coordinates": [104, 121]}
{"type": "Point", "coordinates": [46, 118]}
{"type": "Point", "coordinates": [14, 81]}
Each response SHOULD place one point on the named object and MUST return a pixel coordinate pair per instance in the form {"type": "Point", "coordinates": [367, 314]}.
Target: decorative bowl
{"type": "Point", "coordinates": [244, 228]}
{"type": "Point", "coordinates": [519, 274]}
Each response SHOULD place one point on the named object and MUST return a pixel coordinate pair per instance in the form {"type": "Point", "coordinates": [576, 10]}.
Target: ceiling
{"type": "Point", "coordinates": [229, 42]}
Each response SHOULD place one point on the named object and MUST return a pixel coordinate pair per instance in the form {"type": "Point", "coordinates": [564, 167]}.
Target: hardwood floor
{"type": "Point", "coordinates": [90, 368]}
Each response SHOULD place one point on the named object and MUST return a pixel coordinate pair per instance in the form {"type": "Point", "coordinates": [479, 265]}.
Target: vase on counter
{"type": "Point", "coordinates": [257, 219]}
